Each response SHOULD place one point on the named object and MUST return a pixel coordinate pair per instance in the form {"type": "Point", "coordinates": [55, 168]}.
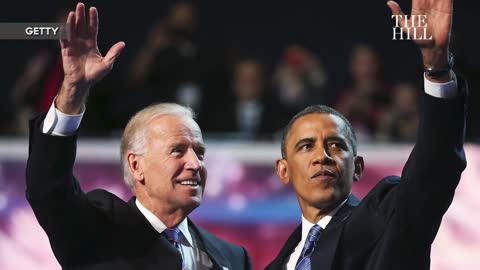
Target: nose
{"type": "Point", "coordinates": [322, 156]}
{"type": "Point", "coordinates": [193, 162]}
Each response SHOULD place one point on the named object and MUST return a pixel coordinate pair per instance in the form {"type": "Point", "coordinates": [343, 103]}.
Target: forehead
{"type": "Point", "coordinates": [317, 124]}
{"type": "Point", "coordinates": [174, 126]}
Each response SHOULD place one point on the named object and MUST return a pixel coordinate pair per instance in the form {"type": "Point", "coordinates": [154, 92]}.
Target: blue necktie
{"type": "Point", "coordinates": [173, 235]}
{"type": "Point", "coordinates": [304, 262]}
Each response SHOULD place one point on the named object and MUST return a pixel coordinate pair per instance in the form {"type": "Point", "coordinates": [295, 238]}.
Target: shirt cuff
{"type": "Point", "coordinates": [442, 90]}
{"type": "Point", "coordinates": [60, 124]}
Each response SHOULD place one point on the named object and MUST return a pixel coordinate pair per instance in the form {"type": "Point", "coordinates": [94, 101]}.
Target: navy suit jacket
{"type": "Point", "coordinates": [98, 230]}
{"type": "Point", "coordinates": [394, 226]}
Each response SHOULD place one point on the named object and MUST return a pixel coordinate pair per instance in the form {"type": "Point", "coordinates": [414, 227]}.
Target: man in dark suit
{"type": "Point", "coordinates": [162, 153]}
{"type": "Point", "coordinates": [394, 225]}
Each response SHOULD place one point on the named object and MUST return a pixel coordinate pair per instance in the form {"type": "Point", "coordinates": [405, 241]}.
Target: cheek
{"type": "Point", "coordinates": [203, 173]}
{"type": "Point", "coordinates": [300, 170]}
{"type": "Point", "coordinates": [298, 174]}
{"type": "Point", "coordinates": [343, 160]}
{"type": "Point", "coordinates": [346, 167]}
{"type": "Point", "coordinates": [165, 169]}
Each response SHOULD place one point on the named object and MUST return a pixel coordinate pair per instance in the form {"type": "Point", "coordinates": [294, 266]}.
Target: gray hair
{"type": "Point", "coordinates": [134, 135]}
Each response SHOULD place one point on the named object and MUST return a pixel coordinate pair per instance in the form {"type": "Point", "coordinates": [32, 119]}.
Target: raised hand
{"type": "Point", "coordinates": [83, 65]}
{"type": "Point", "coordinates": [439, 20]}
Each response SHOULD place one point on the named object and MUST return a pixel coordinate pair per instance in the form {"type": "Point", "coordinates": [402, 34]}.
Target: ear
{"type": "Point", "coordinates": [135, 165]}
{"type": "Point", "coordinates": [359, 166]}
{"type": "Point", "coordinates": [282, 171]}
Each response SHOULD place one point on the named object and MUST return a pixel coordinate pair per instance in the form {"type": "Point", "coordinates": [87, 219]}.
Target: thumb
{"type": "Point", "coordinates": [397, 11]}
{"type": "Point", "coordinates": [395, 8]}
{"type": "Point", "coordinates": [113, 53]}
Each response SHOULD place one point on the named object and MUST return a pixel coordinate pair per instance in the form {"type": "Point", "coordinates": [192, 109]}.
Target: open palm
{"type": "Point", "coordinates": [83, 64]}
{"type": "Point", "coordinates": [439, 22]}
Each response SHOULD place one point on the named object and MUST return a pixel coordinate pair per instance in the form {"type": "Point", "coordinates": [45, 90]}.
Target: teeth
{"type": "Point", "coordinates": [189, 182]}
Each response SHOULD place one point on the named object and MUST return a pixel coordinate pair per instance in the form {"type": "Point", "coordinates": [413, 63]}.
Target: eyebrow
{"type": "Point", "coordinates": [176, 145]}
{"type": "Point", "coordinates": [197, 146]}
{"type": "Point", "coordinates": [335, 138]}
{"type": "Point", "coordinates": [305, 140]}
{"type": "Point", "coordinates": [201, 147]}
{"type": "Point", "coordinates": [313, 140]}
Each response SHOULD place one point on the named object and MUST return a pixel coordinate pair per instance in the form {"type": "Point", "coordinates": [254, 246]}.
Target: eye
{"type": "Point", "coordinates": [200, 154]}
{"type": "Point", "coordinates": [305, 147]}
{"type": "Point", "coordinates": [336, 145]}
{"type": "Point", "coordinates": [178, 151]}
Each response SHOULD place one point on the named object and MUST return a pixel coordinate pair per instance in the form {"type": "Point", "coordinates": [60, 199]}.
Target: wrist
{"type": "Point", "coordinates": [435, 59]}
{"type": "Point", "coordinates": [440, 72]}
{"type": "Point", "coordinates": [440, 79]}
{"type": "Point", "coordinates": [71, 98]}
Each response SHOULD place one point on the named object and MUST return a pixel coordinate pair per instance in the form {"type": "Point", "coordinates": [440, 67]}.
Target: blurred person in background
{"type": "Point", "coordinates": [363, 101]}
{"type": "Point", "coordinates": [169, 64]}
{"type": "Point", "coordinates": [400, 121]}
{"type": "Point", "coordinates": [250, 112]}
{"type": "Point", "coordinates": [162, 155]}
{"type": "Point", "coordinates": [172, 65]}
{"type": "Point", "coordinates": [299, 80]}
{"type": "Point", "coordinates": [394, 226]}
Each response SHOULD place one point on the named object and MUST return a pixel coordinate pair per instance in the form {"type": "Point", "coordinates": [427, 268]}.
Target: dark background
{"type": "Point", "coordinates": [260, 29]}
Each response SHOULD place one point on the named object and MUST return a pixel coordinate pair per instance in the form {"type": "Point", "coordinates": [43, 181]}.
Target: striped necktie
{"type": "Point", "coordinates": [173, 235]}
{"type": "Point", "coordinates": [304, 262]}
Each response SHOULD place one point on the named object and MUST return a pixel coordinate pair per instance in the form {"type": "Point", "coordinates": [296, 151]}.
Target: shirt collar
{"type": "Point", "coordinates": [323, 222]}
{"type": "Point", "coordinates": [159, 226]}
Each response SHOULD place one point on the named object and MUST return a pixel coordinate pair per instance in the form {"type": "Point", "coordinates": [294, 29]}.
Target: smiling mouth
{"type": "Point", "coordinates": [189, 182]}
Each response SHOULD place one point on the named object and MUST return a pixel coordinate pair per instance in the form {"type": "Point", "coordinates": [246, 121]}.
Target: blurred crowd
{"type": "Point", "coordinates": [235, 96]}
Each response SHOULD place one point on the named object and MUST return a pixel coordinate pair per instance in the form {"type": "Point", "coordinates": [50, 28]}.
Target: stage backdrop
{"type": "Point", "coordinates": [243, 194]}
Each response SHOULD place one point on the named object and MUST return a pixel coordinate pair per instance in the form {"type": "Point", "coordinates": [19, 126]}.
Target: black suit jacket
{"type": "Point", "coordinates": [98, 230]}
{"type": "Point", "coordinates": [394, 225]}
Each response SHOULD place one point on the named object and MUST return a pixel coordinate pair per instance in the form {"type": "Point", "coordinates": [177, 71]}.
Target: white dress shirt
{"type": "Point", "coordinates": [185, 240]}
{"type": "Point", "coordinates": [306, 226]}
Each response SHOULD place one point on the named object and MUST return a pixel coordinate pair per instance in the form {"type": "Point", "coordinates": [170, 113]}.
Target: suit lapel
{"type": "Point", "coordinates": [163, 251]}
{"type": "Point", "coordinates": [286, 250]}
{"type": "Point", "coordinates": [135, 219]}
{"type": "Point", "coordinates": [324, 253]}
{"type": "Point", "coordinates": [205, 242]}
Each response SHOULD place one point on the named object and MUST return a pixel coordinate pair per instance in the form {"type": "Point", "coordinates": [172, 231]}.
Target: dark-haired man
{"type": "Point", "coordinates": [394, 225]}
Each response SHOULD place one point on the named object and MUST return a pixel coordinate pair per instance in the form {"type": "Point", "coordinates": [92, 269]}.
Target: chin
{"type": "Point", "coordinates": [192, 203]}
{"type": "Point", "coordinates": [326, 200]}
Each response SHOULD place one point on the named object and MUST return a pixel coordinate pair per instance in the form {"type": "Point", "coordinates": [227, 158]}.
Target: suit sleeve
{"type": "Point", "coordinates": [434, 168]}
{"type": "Point", "coordinates": [59, 204]}
{"type": "Point", "coordinates": [247, 263]}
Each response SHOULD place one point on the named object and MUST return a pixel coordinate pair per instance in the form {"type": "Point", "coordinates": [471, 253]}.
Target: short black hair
{"type": "Point", "coordinates": [319, 109]}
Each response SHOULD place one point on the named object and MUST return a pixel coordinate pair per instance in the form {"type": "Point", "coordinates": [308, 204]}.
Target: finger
{"type": "Point", "coordinates": [64, 43]}
{"type": "Point", "coordinates": [395, 8]}
{"type": "Point", "coordinates": [70, 27]}
{"type": "Point", "coordinates": [93, 22]}
{"type": "Point", "coordinates": [113, 53]}
{"type": "Point", "coordinates": [397, 11]}
{"type": "Point", "coordinates": [80, 22]}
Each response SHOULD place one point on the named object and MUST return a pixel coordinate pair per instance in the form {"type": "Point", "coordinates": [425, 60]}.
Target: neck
{"type": "Point", "coordinates": [314, 214]}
